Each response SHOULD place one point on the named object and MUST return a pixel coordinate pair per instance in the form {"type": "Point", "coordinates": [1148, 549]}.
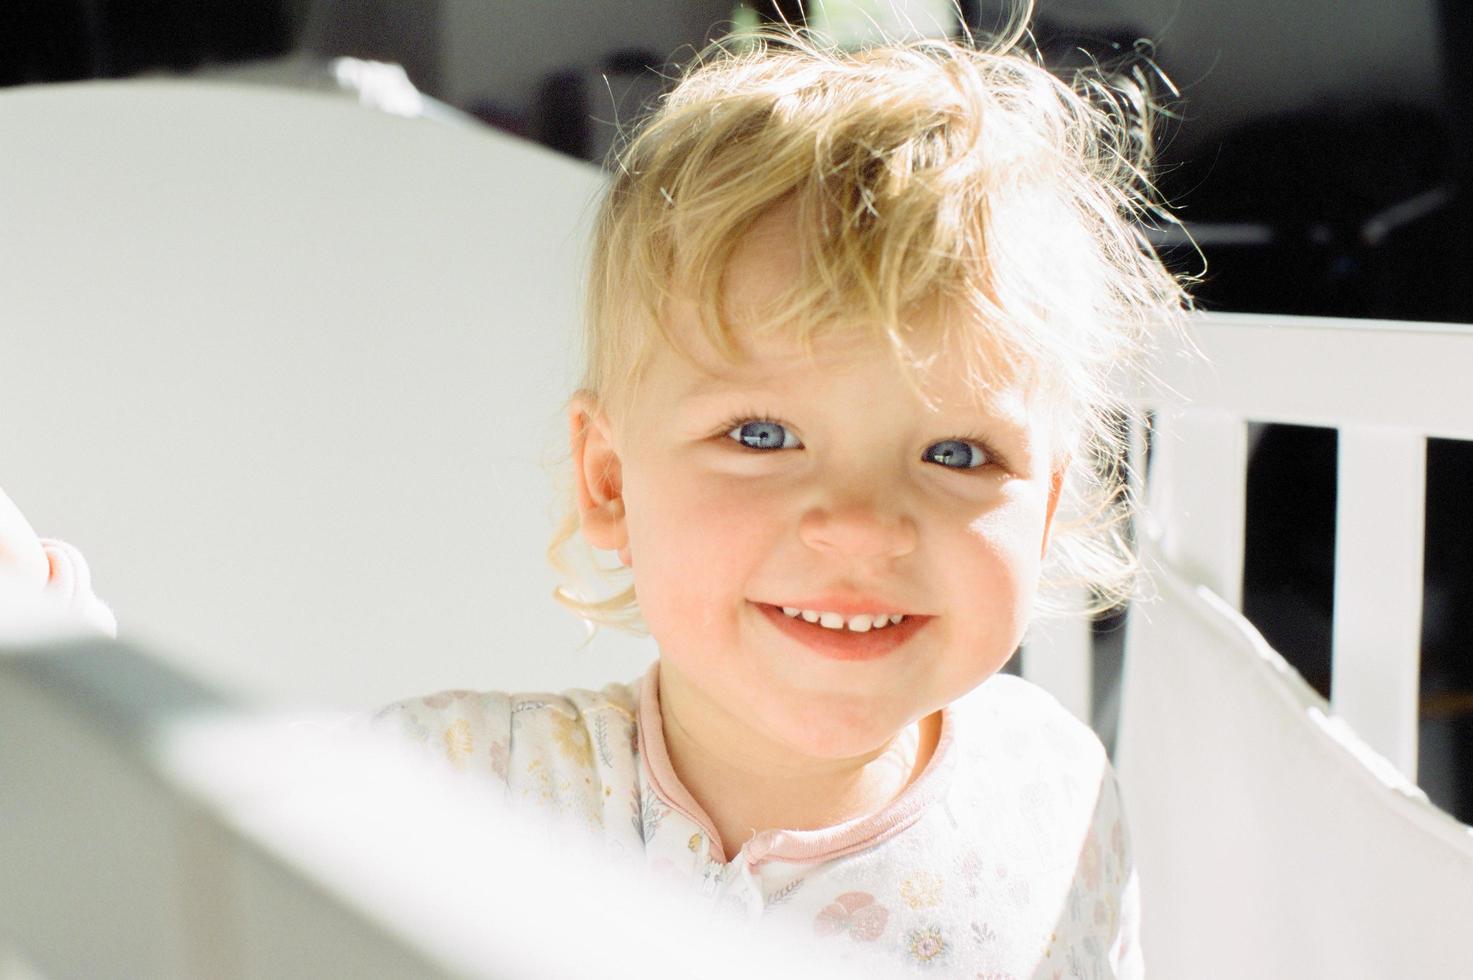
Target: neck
{"type": "Point", "coordinates": [747, 783]}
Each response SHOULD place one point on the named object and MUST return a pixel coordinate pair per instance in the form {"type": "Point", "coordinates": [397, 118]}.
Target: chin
{"type": "Point", "coordinates": [838, 734]}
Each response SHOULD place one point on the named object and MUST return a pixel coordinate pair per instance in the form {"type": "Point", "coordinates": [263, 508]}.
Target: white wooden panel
{"type": "Point", "coordinates": [16, 966]}
{"type": "Point", "coordinates": [150, 830]}
{"type": "Point", "coordinates": [88, 884]}
{"type": "Point", "coordinates": [110, 871]}
{"type": "Point", "coordinates": [1265, 831]}
{"type": "Point", "coordinates": [289, 926]}
{"type": "Point", "coordinates": [1196, 493]}
{"type": "Point", "coordinates": [343, 339]}
{"type": "Point", "coordinates": [1328, 372]}
{"type": "Point", "coordinates": [1379, 526]}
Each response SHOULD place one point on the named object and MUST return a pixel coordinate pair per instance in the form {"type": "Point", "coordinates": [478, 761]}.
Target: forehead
{"type": "Point", "coordinates": [777, 365]}
{"type": "Point", "coordinates": [765, 260]}
{"type": "Point", "coordinates": [953, 368]}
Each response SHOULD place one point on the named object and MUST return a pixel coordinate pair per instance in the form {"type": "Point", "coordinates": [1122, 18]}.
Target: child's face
{"type": "Point", "coordinates": [870, 505]}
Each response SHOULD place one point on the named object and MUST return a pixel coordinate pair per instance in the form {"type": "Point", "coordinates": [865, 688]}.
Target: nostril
{"type": "Point", "coordinates": [860, 531]}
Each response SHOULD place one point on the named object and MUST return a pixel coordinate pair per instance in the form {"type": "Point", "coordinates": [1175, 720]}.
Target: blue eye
{"type": "Point", "coordinates": [761, 434]}
{"type": "Point", "coordinates": [956, 454]}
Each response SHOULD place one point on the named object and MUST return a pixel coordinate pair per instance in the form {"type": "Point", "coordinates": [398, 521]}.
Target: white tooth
{"type": "Point", "coordinates": [789, 611]}
{"type": "Point", "coordinates": [895, 618]}
{"type": "Point", "coordinates": [860, 623]}
{"type": "Point", "coordinates": [810, 616]}
{"type": "Point", "coordinates": [831, 620]}
{"type": "Point", "coordinates": [881, 620]}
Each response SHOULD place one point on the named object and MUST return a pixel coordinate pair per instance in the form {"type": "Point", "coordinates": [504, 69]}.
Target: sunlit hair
{"type": "Point", "coordinates": [923, 171]}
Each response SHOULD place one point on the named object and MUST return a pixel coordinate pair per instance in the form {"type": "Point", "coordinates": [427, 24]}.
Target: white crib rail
{"type": "Point", "coordinates": [151, 828]}
{"type": "Point", "coordinates": [1386, 386]}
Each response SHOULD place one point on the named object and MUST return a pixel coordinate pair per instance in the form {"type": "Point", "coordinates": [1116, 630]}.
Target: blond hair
{"type": "Point", "coordinates": [923, 171]}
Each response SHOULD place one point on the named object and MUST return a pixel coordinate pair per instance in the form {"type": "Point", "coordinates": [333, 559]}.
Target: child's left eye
{"type": "Point", "coordinates": [957, 454]}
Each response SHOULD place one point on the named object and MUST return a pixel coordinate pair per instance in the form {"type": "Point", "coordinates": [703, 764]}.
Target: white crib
{"type": "Point", "coordinates": [1278, 834]}
{"type": "Point", "coordinates": [282, 342]}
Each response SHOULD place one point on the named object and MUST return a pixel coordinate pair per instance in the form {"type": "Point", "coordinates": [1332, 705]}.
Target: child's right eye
{"type": "Point", "coordinates": [762, 434]}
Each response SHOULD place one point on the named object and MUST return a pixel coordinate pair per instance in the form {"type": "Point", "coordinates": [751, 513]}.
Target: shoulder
{"type": "Point", "coordinates": [480, 726]}
{"type": "Point", "coordinates": [1059, 805]}
{"type": "Point", "coordinates": [1016, 737]}
{"type": "Point", "coordinates": [571, 755]}
{"type": "Point", "coordinates": [1009, 711]}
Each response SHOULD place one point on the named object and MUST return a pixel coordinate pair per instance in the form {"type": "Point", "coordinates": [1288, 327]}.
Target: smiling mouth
{"type": "Point", "coordinates": [859, 623]}
{"type": "Point", "coordinates": [841, 643]}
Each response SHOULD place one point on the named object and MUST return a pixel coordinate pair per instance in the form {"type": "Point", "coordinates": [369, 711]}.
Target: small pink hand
{"type": "Point", "coordinates": [24, 567]}
{"type": "Point", "coordinates": [45, 580]}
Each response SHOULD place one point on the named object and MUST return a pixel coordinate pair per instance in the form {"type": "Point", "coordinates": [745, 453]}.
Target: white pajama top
{"type": "Point", "coordinates": [1007, 858]}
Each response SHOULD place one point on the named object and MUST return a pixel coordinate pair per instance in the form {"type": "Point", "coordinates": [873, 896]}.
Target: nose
{"type": "Point", "coordinates": [859, 527]}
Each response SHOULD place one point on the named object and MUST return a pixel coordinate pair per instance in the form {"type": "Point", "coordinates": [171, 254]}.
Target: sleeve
{"type": "Point", "coordinates": [1126, 960]}
{"type": "Point", "coordinates": [467, 731]}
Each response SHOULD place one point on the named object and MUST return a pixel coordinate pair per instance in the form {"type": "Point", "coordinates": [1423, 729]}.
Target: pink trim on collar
{"type": "Point", "coordinates": [798, 846]}
{"type": "Point", "coordinates": [656, 761]}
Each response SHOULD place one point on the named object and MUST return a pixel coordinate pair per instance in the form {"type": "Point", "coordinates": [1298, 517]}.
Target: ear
{"type": "Point", "coordinates": [1056, 487]}
{"type": "Point", "coordinates": [597, 476]}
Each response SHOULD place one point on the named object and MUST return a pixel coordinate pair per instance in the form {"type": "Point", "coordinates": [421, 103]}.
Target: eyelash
{"type": "Point", "coordinates": [742, 418]}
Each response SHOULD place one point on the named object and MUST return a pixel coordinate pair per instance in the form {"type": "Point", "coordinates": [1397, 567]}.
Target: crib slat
{"type": "Point", "coordinates": [1197, 490]}
{"type": "Point", "coordinates": [1058, 656]}
{"type": "Point", "coordinates": [1379, 519]}
{"type": "Point", "coordinates": [1328, 372]}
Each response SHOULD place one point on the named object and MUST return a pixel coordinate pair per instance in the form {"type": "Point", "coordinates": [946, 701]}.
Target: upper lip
{"type": "Point", "coordinates": [849, 605]}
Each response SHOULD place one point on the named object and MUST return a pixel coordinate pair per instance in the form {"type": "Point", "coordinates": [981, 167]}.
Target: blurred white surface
{"type": "Point", "coordinates": [1271, 839]}
{"type": "Point", "coordinates": [288, 371]}
{"type": "Point", "coordinates": [236, 844]}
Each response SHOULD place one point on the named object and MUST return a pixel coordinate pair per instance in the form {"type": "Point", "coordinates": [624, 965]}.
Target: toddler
{"type": "Point", "coordinates": [856, 324]}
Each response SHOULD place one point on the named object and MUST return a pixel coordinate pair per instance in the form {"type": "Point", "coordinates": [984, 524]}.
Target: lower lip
{"type": "Point", "coordinates": [844, 644]}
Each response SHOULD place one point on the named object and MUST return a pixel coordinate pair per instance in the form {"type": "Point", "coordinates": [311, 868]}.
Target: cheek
{"type": "Point", "coordinates": [1003, 546]}
{"type": "Point", "coordinates": [693, 539]}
